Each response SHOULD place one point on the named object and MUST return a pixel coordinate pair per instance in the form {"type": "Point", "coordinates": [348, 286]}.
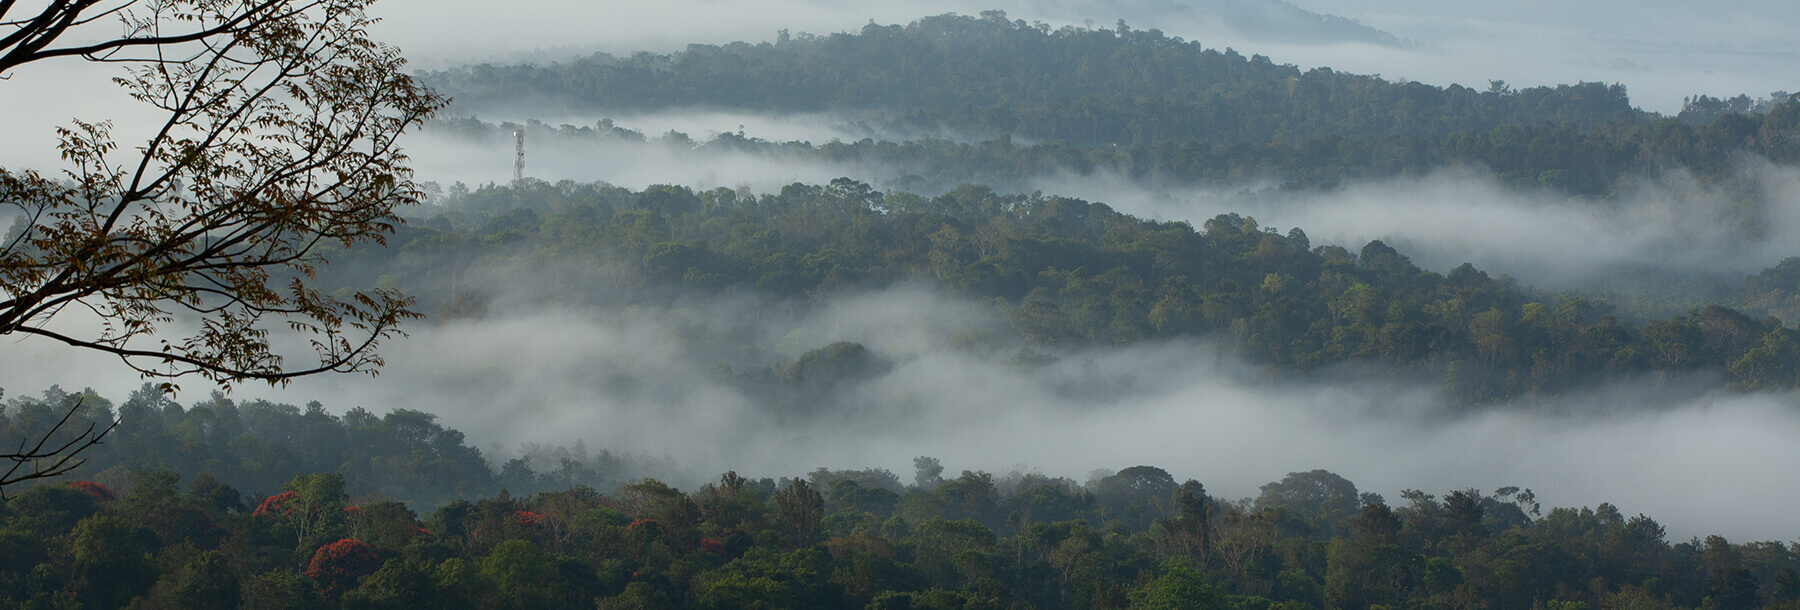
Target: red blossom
{"type": "Point", "coordinates": [712, 546]}
{"type": "Point", "coordinates": [528, 518]}
{"type": "Point", "coordinates": [337, 566]}
{"type": "Point", "coordinates": [276, 505]}
{"type": "Point", "coordinates": [640, 522]}
{"type": "Point", "coordinates": [98, 491]}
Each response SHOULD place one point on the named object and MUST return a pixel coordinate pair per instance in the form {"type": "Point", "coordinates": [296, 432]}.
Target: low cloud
{"type": "Point", "coordinates": [1675, 227]}
{"type": "Point", "coordinates": [658, 381]}
{"type": "Point", "coordinates": [448, 158]}
{"type": "Point", "coordinates": [649, 381]}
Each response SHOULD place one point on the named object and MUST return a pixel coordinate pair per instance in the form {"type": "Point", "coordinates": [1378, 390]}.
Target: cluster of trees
{"type": "Point", "coordinates": [992, 76]}
{"type": "Point", "coordinates": [1705, 108]}
{"type": "Point", "coordinates": [405, 455]}
{"type": "Point", "coordinates": [1070, 274]}
{"type": "Point", "coordinates": [860, 538]}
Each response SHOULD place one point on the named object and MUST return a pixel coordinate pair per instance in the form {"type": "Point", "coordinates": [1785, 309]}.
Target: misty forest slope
{"type": "Point", "coordinates": [409, 517]}
{"type": "Point", "coordinates": [1601, 161]}
{"type": "Point", "coordinates": [1065, 274]}
{"type": "Point", "coordinates": [1069, 274]}
{"type": "Point", "coordinates": [1139, 104]}
{"type": "Point", "coordinates": [990, 75]}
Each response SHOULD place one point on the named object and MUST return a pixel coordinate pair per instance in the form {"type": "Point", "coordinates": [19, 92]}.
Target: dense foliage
{"type": "Point", "coordinates": [405, 455]}
{"type": "Point", "coordinates": [861, 539]}
{"type": "Point", "coordinates": [1069, 274]}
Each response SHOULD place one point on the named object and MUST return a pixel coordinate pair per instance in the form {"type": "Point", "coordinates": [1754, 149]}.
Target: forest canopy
{"type": "Point", "coordinates": [258, 526]}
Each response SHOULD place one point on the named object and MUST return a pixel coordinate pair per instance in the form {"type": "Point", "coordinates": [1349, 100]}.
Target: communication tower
{"type": "Point", "coordinates": [518, 155]}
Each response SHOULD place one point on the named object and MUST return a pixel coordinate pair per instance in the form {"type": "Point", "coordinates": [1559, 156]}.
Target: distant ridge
{"type": "Point", "coordinates": [991, 75]}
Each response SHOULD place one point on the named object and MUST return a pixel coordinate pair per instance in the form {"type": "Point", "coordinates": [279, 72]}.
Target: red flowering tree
{"type": "Point", "coordinates": [311, 504]}
{"type": "Point", "coordinates": [98, 491]}
{"type": "Point", "coordinates": [276, 506]}
{"type": "Point", "coordinates": [337, 566]}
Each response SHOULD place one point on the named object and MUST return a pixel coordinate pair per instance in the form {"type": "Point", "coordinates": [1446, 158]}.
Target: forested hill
{"type": "Point", "coordinates": [1067, 274]}
{"type": "Point", "coordinates": [987, 75]}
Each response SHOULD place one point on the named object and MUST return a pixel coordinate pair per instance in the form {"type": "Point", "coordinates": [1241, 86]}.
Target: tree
{"type": "Point", "coordinates": [1180, 586]}
{"type": "Point", "coordinates": [1138, 495]}
{"type": "Point", "coordinates": [207, 581]}
{"type": "Point", "coordinates": [317, 500]}
{"type": "Point", "coordinates": [928, 472]}
{"type": "Point", "coordinates": [277, 139]}
{"type": "Point", "coordinates": [1321, 497]}
{"type": "Point", "coordinates": [800, 510]}
{"type": "Point", "coordinates": [111, 561]}
{"type": "Point", "coordinates": [337, 566]}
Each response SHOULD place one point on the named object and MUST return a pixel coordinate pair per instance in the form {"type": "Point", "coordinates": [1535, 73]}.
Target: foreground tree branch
{"type": "Point", "coordinates": [31, 37]}
{"type": "Point", "coordinates": [277, 143]}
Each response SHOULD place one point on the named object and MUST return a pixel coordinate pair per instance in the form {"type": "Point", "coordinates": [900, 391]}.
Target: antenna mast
{"type": "Point", "coordinates": [518, 155]}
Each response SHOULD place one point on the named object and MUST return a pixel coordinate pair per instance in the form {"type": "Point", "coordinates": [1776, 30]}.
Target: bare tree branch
{"type": "Point", "coordinates": [46, 460]}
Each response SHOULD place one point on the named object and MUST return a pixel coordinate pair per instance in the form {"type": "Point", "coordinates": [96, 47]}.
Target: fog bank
{"type": "Point", "coordinates": [648, 381]}
{"type": "Point", "coordinates": [1668, 229]}
{"type": "Point", "coordinates": [448, 158]}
